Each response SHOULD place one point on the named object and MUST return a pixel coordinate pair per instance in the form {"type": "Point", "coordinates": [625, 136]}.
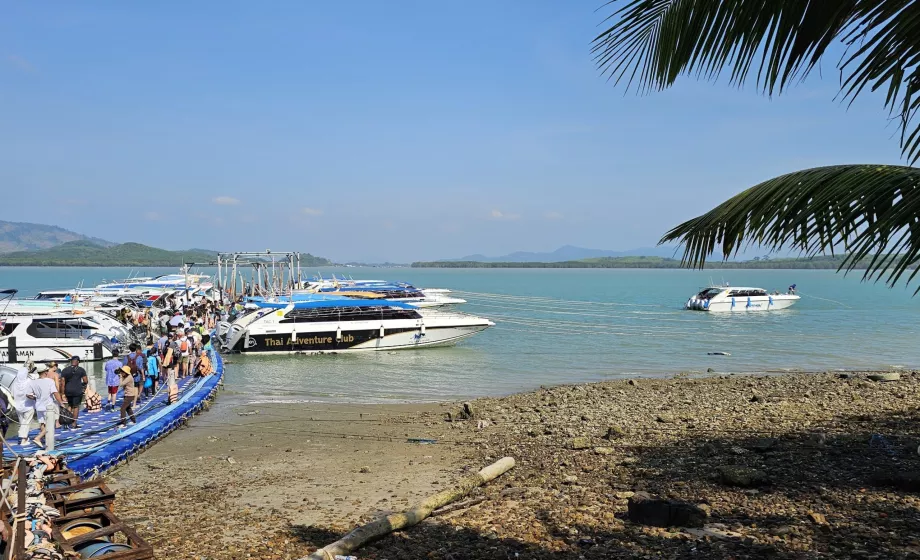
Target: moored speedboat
{"type": "Point", "coordinates": [346, 325]}
{"type": "Point", "coordinates": [730, 299]}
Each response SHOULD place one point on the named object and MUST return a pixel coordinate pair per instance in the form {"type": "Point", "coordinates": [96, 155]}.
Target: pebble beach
{"type": "Point", "coordinates": [787, 466]}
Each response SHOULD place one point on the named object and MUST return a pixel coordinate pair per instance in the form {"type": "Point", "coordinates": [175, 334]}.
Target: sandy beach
{"type": "Point", "coordinates": [790, 466]}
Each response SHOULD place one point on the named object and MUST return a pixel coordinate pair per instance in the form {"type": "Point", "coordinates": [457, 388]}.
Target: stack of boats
{"type": "Point", "coordinates": [347, 316]}
{"type": "Point", "coordinates": [320, 315]}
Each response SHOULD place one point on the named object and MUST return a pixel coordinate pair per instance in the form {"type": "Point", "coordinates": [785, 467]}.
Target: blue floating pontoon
{"type": "Point", "coordinates": [99, 445]}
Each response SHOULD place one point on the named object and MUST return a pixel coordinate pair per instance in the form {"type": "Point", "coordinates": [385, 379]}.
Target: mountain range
{"type": "Point", "coordinates": [25, 244]}
{"type": "Point", "coordinates": [572, 253]}
{"type": "Point", "coordinates": [21, 236]}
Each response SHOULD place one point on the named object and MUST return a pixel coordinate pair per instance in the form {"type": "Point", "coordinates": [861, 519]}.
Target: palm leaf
{"type": "Point", "coordinates": [865, 210]}
{"type": "Point", "coordinates": [650, 43]}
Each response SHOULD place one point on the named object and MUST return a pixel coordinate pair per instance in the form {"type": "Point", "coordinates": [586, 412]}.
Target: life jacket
{"type": "Point", "coordinates": [204, 366]}
{"type": "Point", "coordinates": [93, 401]}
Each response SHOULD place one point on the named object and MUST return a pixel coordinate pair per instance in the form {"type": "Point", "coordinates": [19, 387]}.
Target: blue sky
{"type": "Point", "coordinates": [375, 130]}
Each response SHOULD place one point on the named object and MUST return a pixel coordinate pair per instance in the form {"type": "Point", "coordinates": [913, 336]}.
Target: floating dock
{"type": "Point", "coordinates": [99, 445]}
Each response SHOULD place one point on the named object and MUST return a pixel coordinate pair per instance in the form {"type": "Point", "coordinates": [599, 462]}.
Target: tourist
{"type": "Point", "coordinates": [25, 411]}
{"type": "Point", "coordinates": [47, 400]}
{"type": "Point", "coordinates": [205, 367]}
{"type": "Point", "coordinates": [177, 320]}
{"type": "Point", "coordinates": [153, 373]}
{"type": "Point", "coordinates": [112, 378]}
{"type": "Point", "coordinates": [184, 349]}
{"type": "Point", "coordinates": [164, 323]}
{"type": "Point", "coordinates": [55, 375]}
{"type": "Point", "coordinates": [127, 401]}
{"type": "Point", "coordinates": [137, 363]}
{"type": "Point", "coordinates": [75, 382]}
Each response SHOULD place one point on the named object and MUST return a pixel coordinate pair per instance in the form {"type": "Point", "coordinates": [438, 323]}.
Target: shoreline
{"type": "Point", "coordinates": [302, 475]}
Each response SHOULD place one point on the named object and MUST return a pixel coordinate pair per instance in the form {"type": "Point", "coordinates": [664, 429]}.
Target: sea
{"type": "Point", "coordinates": [561, 326]}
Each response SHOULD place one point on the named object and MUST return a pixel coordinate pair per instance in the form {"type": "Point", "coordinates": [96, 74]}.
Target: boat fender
{"type": "Point", "coordinates": [748, 303]}
{"type": "Point", "coordinates": [733, 303]}
{"type": "Point", "coordinates": [705, 304]}
{"type": "Point", "coordinates": [770, 301]}
{"type": "Point", "coordinates": [338, 333]}
{"type": "Point", "coordinates": [382, 332]}
{"type": "Point", "coordinates": [422, 329]}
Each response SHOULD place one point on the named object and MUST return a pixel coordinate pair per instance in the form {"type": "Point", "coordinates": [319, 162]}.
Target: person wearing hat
{"type": "Point", "coordinates": [75, 382]}
{"type": "Point", "coordinates": [127, 398]}
{"type": "Point", "coordinates": [47, 400]}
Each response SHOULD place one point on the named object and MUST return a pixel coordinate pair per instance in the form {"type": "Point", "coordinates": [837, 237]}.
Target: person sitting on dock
{"type": "Point", "coordinates": [75, 382]}
{"type": "Point", "coordinates": [127, 401]}
{"type": "Point", "coordinates": [205, 368]}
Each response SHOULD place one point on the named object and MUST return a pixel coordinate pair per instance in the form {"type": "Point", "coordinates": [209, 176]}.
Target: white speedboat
{"type": "Point", "coordinates": [346, 325]}
{"type": "Point", "coordinates": [44, 331]}
{"type": "Point", "coordinates": [731, 299]}
{"type": "Point", "coordinates": [380, 289]}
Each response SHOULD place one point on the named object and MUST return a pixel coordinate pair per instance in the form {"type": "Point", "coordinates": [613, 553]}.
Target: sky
{"type": "Point", "coordinates": [380, 131]}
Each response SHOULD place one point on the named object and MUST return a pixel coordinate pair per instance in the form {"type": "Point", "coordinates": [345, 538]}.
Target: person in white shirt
{"type": "Point", "coordinates": [25, 404]}
{"type": "Point", "coordinates": [47, 401]}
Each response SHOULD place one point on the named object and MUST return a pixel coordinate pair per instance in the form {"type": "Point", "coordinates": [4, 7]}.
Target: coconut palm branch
{"type": "Point", "coordinates": [863, 210]}
{"type": "Point", "coordinates": [650, 43]}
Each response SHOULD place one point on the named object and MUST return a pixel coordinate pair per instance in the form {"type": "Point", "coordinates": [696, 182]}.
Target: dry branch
{"type": "Point", "coordinates": [396, 521]}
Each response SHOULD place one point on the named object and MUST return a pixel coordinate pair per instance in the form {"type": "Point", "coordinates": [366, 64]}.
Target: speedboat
{"type": "Point", "coordinates": [724, 298]}
{"type": "Point", "coordinates": [345, 325]}
{"type": "Point", "coordinates": [45, 331]}
{"type": "Point", "coordinates": [380, 289]}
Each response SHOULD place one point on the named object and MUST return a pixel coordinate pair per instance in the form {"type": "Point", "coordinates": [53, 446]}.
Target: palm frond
{"type": "Point", "coordinates": [867, 210]}
{"type": "Point", "coordinates": [650, 43]}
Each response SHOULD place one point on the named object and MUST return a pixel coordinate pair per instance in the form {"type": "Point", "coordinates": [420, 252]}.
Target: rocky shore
{"type": "Point", "coordinates": [791, 466]}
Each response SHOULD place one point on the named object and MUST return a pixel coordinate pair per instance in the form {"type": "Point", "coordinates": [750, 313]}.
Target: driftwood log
{"type": "Point", "coordinates": [396, 521]}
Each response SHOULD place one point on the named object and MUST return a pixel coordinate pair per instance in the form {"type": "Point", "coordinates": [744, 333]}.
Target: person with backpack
{"type": "Point", "coordinates": [137, 364]}
{"type": "Point", "coordinates": [185, 346]}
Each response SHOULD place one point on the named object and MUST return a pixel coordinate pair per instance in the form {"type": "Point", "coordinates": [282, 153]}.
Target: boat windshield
{"type": "Point", "coordinates": [709, 293]}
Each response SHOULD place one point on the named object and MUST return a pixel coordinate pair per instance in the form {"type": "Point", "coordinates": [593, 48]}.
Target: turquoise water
{"type": "Point", "coordinates": [563, 326]}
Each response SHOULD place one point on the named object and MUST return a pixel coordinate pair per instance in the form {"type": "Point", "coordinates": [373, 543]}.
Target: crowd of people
{"type": "Point", "coordinates": [176, 346]}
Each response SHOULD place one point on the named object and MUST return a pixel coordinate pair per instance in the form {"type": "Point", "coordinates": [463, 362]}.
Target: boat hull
{"type": "Point", "coordinates": [87, 351]}
{"type": "Point", "coordinates": [745, 305]}
{"type": "Point", "coordinates": [358, 340]}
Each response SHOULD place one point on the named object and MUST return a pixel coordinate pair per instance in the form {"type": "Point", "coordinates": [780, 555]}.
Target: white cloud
{"type": "Point", "coordinates": [553, 216]}
{"type": "Point", "coordinates": [20, 63]}
{"type": "Point", "coordinates": [499, 215]}
{"type": "Point", "coordinates": [225, 200]}
{"type": "Point", "coordinates": [311, 212]}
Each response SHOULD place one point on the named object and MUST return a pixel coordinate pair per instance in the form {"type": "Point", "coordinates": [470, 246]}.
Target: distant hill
{"type": "Point", "coordinates": [19, 236]}
{"type": "Point", "coordinates": [821, 262]}
{"type": "Point", "coordinates": [88, 253]}
{"type": "Point", "coordinates": [571, 253]}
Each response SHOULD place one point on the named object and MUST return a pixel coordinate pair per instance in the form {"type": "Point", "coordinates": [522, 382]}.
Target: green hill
{"type": "Point", "coordinates": [21, 236]}
{"type": "Point", "coordinates": [87, 253]}
{"type": "Point", "coordinates": [821, 262]}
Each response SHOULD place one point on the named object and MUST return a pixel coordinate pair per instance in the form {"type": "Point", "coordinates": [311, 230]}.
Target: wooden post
{"type": "Point", "coordinates": [396, 521]}
{"type": "Point", "coordinates": [20, 518]}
